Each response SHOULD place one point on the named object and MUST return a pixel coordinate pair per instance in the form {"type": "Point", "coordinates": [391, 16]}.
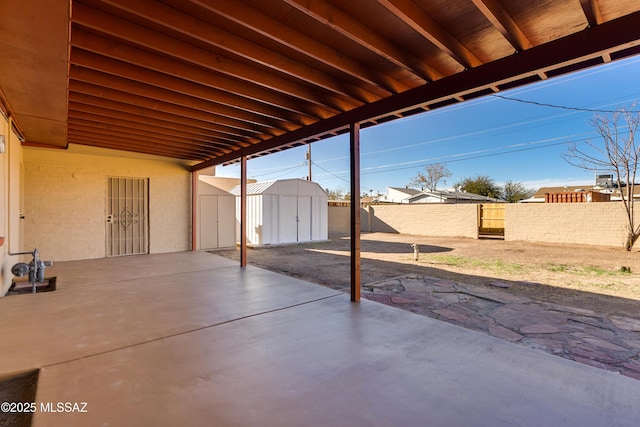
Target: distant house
{"type": "Point", "coordinates": [579, 193]}
{"type": "Point", "coordinates": [451, 197]}
{"type": "Point", "coordinates": [398, 195]}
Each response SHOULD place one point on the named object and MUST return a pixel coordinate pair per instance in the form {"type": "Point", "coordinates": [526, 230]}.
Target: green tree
{"type": "Point", "coordinates": [430, 180]}
{"type": "Point", "coordinates": [482, 185]}
{"type": "Point", "coordinates": [513, 192]}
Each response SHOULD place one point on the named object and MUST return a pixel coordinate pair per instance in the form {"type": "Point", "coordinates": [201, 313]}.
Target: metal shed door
{"type": "Point", "coordinates": [217, 222]}
{"type": "Point", "coordinates": [304, 219]}
{"type": "Point", "coordinates": [208, 222]}
{"type": "Point", "coordinates": [127, 207]}
{"type": "Point", "coordinates": [288, 215]}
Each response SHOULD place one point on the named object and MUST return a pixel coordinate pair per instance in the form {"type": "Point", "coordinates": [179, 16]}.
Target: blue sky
{"type": "Point", "coordinates": [504, 139]}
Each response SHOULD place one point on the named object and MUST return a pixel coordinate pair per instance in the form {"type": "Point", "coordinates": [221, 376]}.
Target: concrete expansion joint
{"type": "Point", "coordinates": [186, 332]}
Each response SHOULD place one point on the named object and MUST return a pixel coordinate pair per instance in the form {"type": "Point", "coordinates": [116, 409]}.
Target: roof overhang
{"type": "Point", "coordinates": [209, 82]}
{"type": "Point", "coordinates": [592, 46]}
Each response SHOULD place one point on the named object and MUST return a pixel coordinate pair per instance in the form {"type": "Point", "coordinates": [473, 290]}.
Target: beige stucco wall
{"type": "Point", "coordinates": [339, 220]}
{"type": "Point", "coordinates": [425, 219]}
{"type": "Point", "coordinates": [10, 200]}
{"type": "Point", "coordinates": [601, 224]}
{"type": "Point", "coordinates": [65, 201]}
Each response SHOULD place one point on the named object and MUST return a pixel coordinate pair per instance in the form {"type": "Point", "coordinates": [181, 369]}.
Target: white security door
{"type": "Point", "coordinates": [304, 219]}
{"type": "Point", "coordinates": [127, 211]}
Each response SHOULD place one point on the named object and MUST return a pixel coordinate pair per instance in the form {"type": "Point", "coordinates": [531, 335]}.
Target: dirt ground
{"type": "Point", "coordinates": [605, 280]}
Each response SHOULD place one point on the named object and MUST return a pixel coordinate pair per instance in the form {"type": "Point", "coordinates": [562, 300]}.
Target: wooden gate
{"type": "Point", "coordinates": [491, 219]}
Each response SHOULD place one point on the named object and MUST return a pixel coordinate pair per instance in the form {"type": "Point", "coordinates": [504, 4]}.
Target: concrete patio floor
{"type": "Point", "coordinates": [192, 339]}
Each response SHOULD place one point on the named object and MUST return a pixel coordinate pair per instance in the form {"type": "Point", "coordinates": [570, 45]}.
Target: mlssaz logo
{"type": "Point", "coordinates": [80, 407]}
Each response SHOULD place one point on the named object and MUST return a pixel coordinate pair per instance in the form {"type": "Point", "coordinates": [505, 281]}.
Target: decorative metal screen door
{"type": "Point", "coordinates": [127, 207]}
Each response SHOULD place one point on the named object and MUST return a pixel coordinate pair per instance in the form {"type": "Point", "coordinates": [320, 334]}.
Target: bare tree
{"type": "Point", "coordinates": [617, 153]}
{"type": "Point", "coordinates": [336, 194]}
{"type": "Point", "coordinates": [430, 180]}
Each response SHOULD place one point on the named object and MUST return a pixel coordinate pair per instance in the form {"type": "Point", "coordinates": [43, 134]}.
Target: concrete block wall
{"type": "Point", "coordinates": [426, 219]}
{"type": "Point", "coordinates": [600, 224]}
{"type": "Point", "coordinates": [65, 201]}
{"type": "Point", "coordinates": [340, 219]}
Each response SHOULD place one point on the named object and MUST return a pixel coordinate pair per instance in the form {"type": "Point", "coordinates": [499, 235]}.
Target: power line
{"type": "Point", "coordinates": [475, 133]}
{"type": "Point", "coordinates": [281, 172]}
{"type": "Point", "coordinates": [514, 124]}
{"type": "Point", "coordinates": [331, 173]}
{"type": "Point", "coordinates": [562, 107]}
{"type": "Point", "coordinates": [417, 163]}
{"type": "Point", "coordinates": [474, 157]}
{"type": "Point", "coordinates": [334, 175]}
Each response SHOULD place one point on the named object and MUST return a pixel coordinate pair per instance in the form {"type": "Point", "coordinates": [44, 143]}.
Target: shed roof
{"type": "Point", "coordinates": [283, 186]}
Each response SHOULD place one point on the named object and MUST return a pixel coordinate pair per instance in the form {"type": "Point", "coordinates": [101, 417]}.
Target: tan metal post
{"type": "Point", "coordinates": [354, 131]}
{"type": "Point", "coordinates": [243, 211]}
{"type": "Point", "coordinates": [194, 207]}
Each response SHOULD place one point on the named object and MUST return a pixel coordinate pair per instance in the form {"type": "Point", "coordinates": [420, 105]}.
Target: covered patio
{"type": "Point", "coordinates": [191, 339]}
{"type": "Point", "coordinates": [205, 83]}
{"type": "Point", "coordinates": [178, 337]}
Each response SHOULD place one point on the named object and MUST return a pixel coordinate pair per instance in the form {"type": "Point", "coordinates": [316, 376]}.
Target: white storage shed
{"type": "Point", "coordinates": [285, 211]}
{"type": "Point", "coordinates": [215, 216]}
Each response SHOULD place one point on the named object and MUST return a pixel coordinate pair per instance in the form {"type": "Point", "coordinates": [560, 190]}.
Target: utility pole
{"type": "Point", "coordinates": [308, 156]}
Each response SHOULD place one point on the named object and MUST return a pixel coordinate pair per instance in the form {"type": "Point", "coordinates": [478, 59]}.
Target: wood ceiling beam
{"type": "Point", "coordinates": [125, 146]}
{"type": "Point", "coordinates": [196, 29]}
{"type": "Point", "coordinates": [87, 93]}
{"type": "Point", "coordinates": [591, 10]}
{"type": "Point", "coordinates": [174, 68]}
{"type": "Point", "coordinates": [260, 23]}
{"type": "Point", "coordinates": [151, 138]}
{"type": "Point", "coordinates": [144, 37]}
{"type": "Point", "coordinates": [234, 105]}
{"type": "Point", "coordinates": [106, 135]}
{"type": "Point", "coordinates": [84, 117]}
{"type": "Point", "coordinates": [91, 133]}
{"type": "Point", "coordinates": [344, 24]}
{"type": "Point", "coordinates": [77, 109]}
{"type": "Point", "coordinates": [416, 18]}
{"type": "Point", "coordinates": [130, 144]}
{"type": "Point", "coordinates": [593, 42]}
{"type": "Point", "coordinates": [242, 119]}
{"type": "Point", "coordinates": [504, 23]}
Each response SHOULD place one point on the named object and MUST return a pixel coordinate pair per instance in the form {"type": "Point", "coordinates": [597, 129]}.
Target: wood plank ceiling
{"type": "Point", "coordinates": [208, 81]}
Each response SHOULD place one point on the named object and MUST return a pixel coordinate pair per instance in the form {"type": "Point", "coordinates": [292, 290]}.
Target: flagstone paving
{"type": "Point", "coordinates": [608, 342]}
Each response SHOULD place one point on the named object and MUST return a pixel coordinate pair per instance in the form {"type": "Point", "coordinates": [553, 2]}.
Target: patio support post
{"type": "Point", "coordinates": [194, 207]}
{"type": "Point", "coordinates": [354, 131]}
{"type": "Point", "coordinates": [243, 211]}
